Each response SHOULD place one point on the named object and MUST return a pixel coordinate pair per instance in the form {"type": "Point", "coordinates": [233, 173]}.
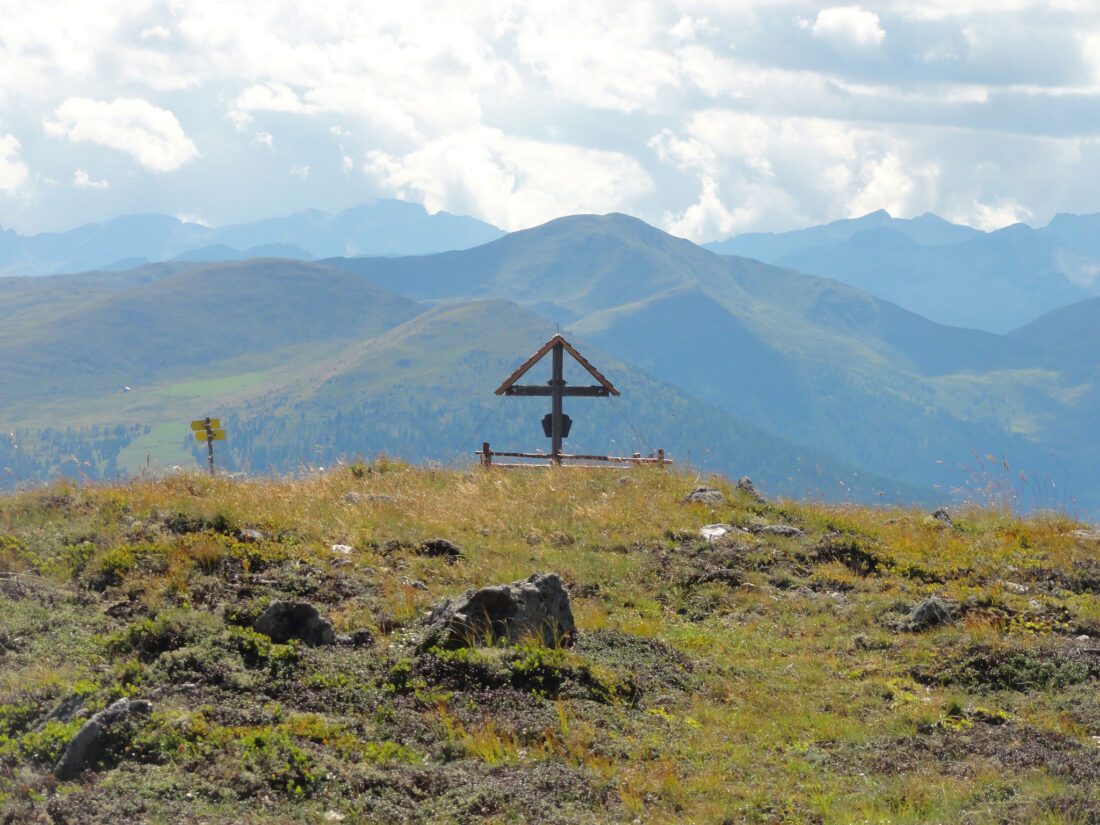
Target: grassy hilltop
{"type": "Point", "coordinates": [761, 677]}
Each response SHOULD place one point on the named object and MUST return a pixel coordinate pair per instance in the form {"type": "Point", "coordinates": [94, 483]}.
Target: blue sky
{"type": "Point", "coordinates": [704, 118]}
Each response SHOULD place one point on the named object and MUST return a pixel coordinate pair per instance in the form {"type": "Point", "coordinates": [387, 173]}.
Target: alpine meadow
{"type": "Point", "coordinates": [566, 413]}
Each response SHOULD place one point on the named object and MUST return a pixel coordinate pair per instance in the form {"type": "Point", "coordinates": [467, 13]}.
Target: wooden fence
{"type": "Point", "coordinates": [547, 459]}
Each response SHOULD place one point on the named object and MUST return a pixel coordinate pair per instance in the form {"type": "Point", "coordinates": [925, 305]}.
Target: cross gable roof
{"type": "Point", "coordinates": [545, 348]}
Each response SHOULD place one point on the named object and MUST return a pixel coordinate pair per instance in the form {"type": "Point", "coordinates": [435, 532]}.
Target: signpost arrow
{"type": "Point", "coordinates": [208, 430]}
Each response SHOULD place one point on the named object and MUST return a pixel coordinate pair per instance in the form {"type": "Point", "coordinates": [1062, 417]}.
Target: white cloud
{"type": "Point", "coordinates": [817, 134]}
{"type": "Point", "coordinates": [510, 182]}
{"type": "Point", "coordinates": [156, 33]}
{"type": "Point", "coordinates": [300, 171]}
{"type": "Point", "coordinates": [688, 28]}
{"type": "Point", "coordinates": [708, 217]}
{"type": "Point", "coordinates": [780, 172]}
{"type": "Point", "coordinates": [884, 184]}
{"type": "Point", "coordinates": [605, 56]}
{"type": "Point", "coordinates": [81, 180]}
{"type": "Point", "coordinates": [189, 218]}
{"type": "Point", "coordinates": [152, 136]}
{"type": "Point", "coordinates": [14, 174]}
{"type": "Point", "coordinates": [1004, 212]}
{"type": "Point", "coordinates": [848, 27]}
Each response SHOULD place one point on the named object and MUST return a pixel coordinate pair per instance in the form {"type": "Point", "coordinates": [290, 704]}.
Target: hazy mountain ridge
{"type": "Point", "coordinates": [953, 274]}
{"type": "Point", "coordinates": [730, 351]}
{"type": "Point", "coordinates": [383, 227]}
{"type": "Point", "coordinates": [813, 360]}
{"type": "Point", "coordinates": [306, 364]}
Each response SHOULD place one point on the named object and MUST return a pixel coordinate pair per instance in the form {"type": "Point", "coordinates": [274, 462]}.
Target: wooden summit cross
{"type": "Point", "coordinates": [556, 387]}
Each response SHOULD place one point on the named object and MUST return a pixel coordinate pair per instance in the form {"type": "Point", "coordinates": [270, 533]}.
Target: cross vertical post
{"type": "Point", "coordinates": [557, 384]}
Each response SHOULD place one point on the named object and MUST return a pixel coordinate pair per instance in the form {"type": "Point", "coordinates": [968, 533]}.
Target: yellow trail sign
{"type": "Point", "coordinates": [216, 435]}
{"type": "Point", "coordinates": [200, 424]}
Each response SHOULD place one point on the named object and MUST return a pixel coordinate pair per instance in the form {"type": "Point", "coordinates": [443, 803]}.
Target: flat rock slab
{"type": "Point", "coordinates": [285, 620]}
{"type": "Point", "coordinates": [711, 532]}
{"type": "Point", "coordinates": [704, 495]}
{"type": "Point", "coordinates": [788, 530]}
{"type": "Point", "coordinates": [537, 607]}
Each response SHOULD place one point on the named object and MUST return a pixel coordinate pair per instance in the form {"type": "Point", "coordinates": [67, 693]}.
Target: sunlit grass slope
{"type": "Point", "coordinates": [765, 677]}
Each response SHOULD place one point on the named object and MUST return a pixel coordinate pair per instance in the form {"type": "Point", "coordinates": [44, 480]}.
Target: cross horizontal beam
{"type": "Point", "coordinates": [587, 392]}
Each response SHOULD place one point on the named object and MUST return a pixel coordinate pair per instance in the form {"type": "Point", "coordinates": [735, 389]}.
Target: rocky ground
{"type": "Point", "coordinates": [390, 644]}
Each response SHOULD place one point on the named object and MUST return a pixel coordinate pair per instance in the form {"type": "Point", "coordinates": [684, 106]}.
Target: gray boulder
{"type": "Point", "coordinates": [943, 517]}
{"type": "Point", "coordinates": [439, 548]}
{"type": "Point", "coordinates": [536, 607]}
{"type": "Point", "coordinates": [83, 748]}
{"type": "Point", "coordinates": [745, 485]}
{"type": "Point", "coordinates": [285, 620]}
{"type": "Point", "coordinates": [705, 495]}
{"type": "Point", "coordinates": [927, 613]}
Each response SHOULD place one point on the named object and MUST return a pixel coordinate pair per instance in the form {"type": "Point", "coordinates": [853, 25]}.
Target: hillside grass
{"type": "Point", "coordinates": [758, 678]}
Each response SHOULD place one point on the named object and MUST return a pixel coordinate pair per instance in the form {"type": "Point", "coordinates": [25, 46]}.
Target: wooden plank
{"type": "Point", "coordinates": [595, 373]}
{"type": "Point", "coordinates": [536, 390]}
{"type": "Point", "coordinates": [545, 348]}
{"type": "Point", "coordinates": [582, 457]}
{"type": "Point", "coordinates": [526, 365]}
{"type": "Point", "coordinates": [564, 466]}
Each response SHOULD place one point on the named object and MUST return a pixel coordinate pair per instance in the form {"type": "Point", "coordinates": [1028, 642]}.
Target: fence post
{"type": "Point", "coordinates": [486, 455]}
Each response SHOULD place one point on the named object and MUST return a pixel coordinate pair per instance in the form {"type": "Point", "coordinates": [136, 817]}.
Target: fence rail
{"type": "Point", "coordinates": [487, 455]}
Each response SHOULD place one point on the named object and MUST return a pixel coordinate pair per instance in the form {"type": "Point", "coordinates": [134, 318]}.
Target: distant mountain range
{"type": "Point", "coordinates": [807, 384]}
{"type": "Point", "coordinates": [306, 364]}
{"type": "Point", "coordinates": [953, 274]}
{"type": "Point", "coordinates": [383, 227]}
{"type": "Point", "coordinates": [956, 275]}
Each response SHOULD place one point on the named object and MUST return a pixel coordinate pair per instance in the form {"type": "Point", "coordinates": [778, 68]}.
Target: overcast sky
{"type": "Point", "coordinates": [704, 118]}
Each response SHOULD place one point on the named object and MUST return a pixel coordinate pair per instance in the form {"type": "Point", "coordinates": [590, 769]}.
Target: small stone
{"type": "Point", "coordinates": [250, 536]}
{"type": "Point", "coordinates": [1084, 637]}
{"type": "Point", "coordinates": [930, 612]}
{"type": "Point", "coordinates": [357, 638]}
{"type": "Point", "coordinates": [943, 517]}
{"type": "Point", "coordinates": [704, 495]}
{"type": "Point", "coordinates": [787, 530]}
{"type": "Point", "coordinates": [353, 497]}
{"type": "Point", "coordinates": [334, 816]}
{"type": "Point", "coordinates": [745, 485]}
{"type": "Point", "coordinates": [710, 532]}
{"type": "Point", "coordinates": [439, 548]}
{"type": "Point", "coordinates": [286, 620]}
{"type": "Point", "coordinates": [415, 584]}
{"type": "Point", "coordinates": [345, 549]}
